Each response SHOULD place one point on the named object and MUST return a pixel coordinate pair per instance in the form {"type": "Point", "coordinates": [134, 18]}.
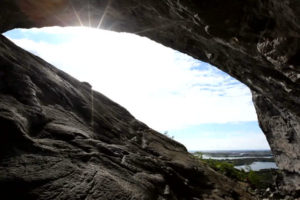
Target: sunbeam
{"type": "Point", "coordinates": [58, 19]}
{"type": "Point", "coordinates": [104, 13]}
{"type": "Point", "coordinates": [76, 14]}
{"type": "Point", "coordinates": [89, 13]}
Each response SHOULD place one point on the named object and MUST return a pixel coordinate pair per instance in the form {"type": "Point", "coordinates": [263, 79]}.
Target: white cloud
{"type": "Point", "coordinates": [155, 83]}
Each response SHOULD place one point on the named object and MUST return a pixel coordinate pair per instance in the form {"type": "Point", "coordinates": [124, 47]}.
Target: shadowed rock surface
{"type": "Point", "coordinates": [62, 140]}
{"type": "Point", "coordinates": [255, 41]}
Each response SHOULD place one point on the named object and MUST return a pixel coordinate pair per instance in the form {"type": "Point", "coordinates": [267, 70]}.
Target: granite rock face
{"type": "Point", "coordinates": [255, 41]}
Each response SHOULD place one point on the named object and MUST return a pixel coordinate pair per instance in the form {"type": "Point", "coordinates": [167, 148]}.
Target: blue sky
{"type": "Point", "coordinates": [197, 104]}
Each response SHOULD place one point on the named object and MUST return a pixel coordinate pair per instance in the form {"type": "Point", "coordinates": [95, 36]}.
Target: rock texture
{"type": "Point", "coordinates": [255, 41]}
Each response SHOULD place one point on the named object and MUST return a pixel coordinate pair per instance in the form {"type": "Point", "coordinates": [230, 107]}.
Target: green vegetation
{"type": "Point", "coordinates": [261, 179]}
{"type": "Point", "coordinates": [227, 169]}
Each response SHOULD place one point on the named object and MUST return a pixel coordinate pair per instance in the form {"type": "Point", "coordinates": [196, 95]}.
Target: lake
{"type": "Point", "coordinates": [231, 158]}
{"type": "Point", "coordinates": [256, 160]}
{"type": "Point", "coordinates": [256, 166]}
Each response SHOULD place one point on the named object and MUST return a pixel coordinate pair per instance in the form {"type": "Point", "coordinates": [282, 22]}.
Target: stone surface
{"type": "Point", "coordinates": [255, 41]}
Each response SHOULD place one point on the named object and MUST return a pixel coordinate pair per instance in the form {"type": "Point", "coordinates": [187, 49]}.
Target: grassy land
{"type": "Point", "coordinates": [256, 179]}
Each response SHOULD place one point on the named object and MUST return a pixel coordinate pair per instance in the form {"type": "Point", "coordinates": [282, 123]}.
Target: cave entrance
{"type": "Point", "coordinates": [189, 100]}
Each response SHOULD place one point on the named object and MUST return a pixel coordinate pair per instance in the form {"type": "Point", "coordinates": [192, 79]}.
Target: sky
{"type": "Point", "coordinates": [192, 101]}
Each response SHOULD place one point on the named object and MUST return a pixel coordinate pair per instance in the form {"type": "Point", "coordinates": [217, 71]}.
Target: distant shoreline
{"type": "Point", "coordinates": [256, 159]}
{"type": "Point", "coordinates": [234, 150]}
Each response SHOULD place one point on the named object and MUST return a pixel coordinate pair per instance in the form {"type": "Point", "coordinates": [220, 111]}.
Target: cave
{"type": "Point", "coordinates": [53, 148]}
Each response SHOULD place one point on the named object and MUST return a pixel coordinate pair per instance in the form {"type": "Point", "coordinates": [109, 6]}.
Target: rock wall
{"type": "Point", "coordinates": [255, 41]}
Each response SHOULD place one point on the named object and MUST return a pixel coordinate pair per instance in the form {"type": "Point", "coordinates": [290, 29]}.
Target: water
{"type": "Point", "coordinates": [261, 159]}
{"type": "Point", "coordinates": [231, 158]}
{"type": "Point", "coordinates": [256, 166]}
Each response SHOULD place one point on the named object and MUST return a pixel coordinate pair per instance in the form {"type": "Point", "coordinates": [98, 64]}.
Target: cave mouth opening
{"type": "Point", "coordinates": [186, 99]}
